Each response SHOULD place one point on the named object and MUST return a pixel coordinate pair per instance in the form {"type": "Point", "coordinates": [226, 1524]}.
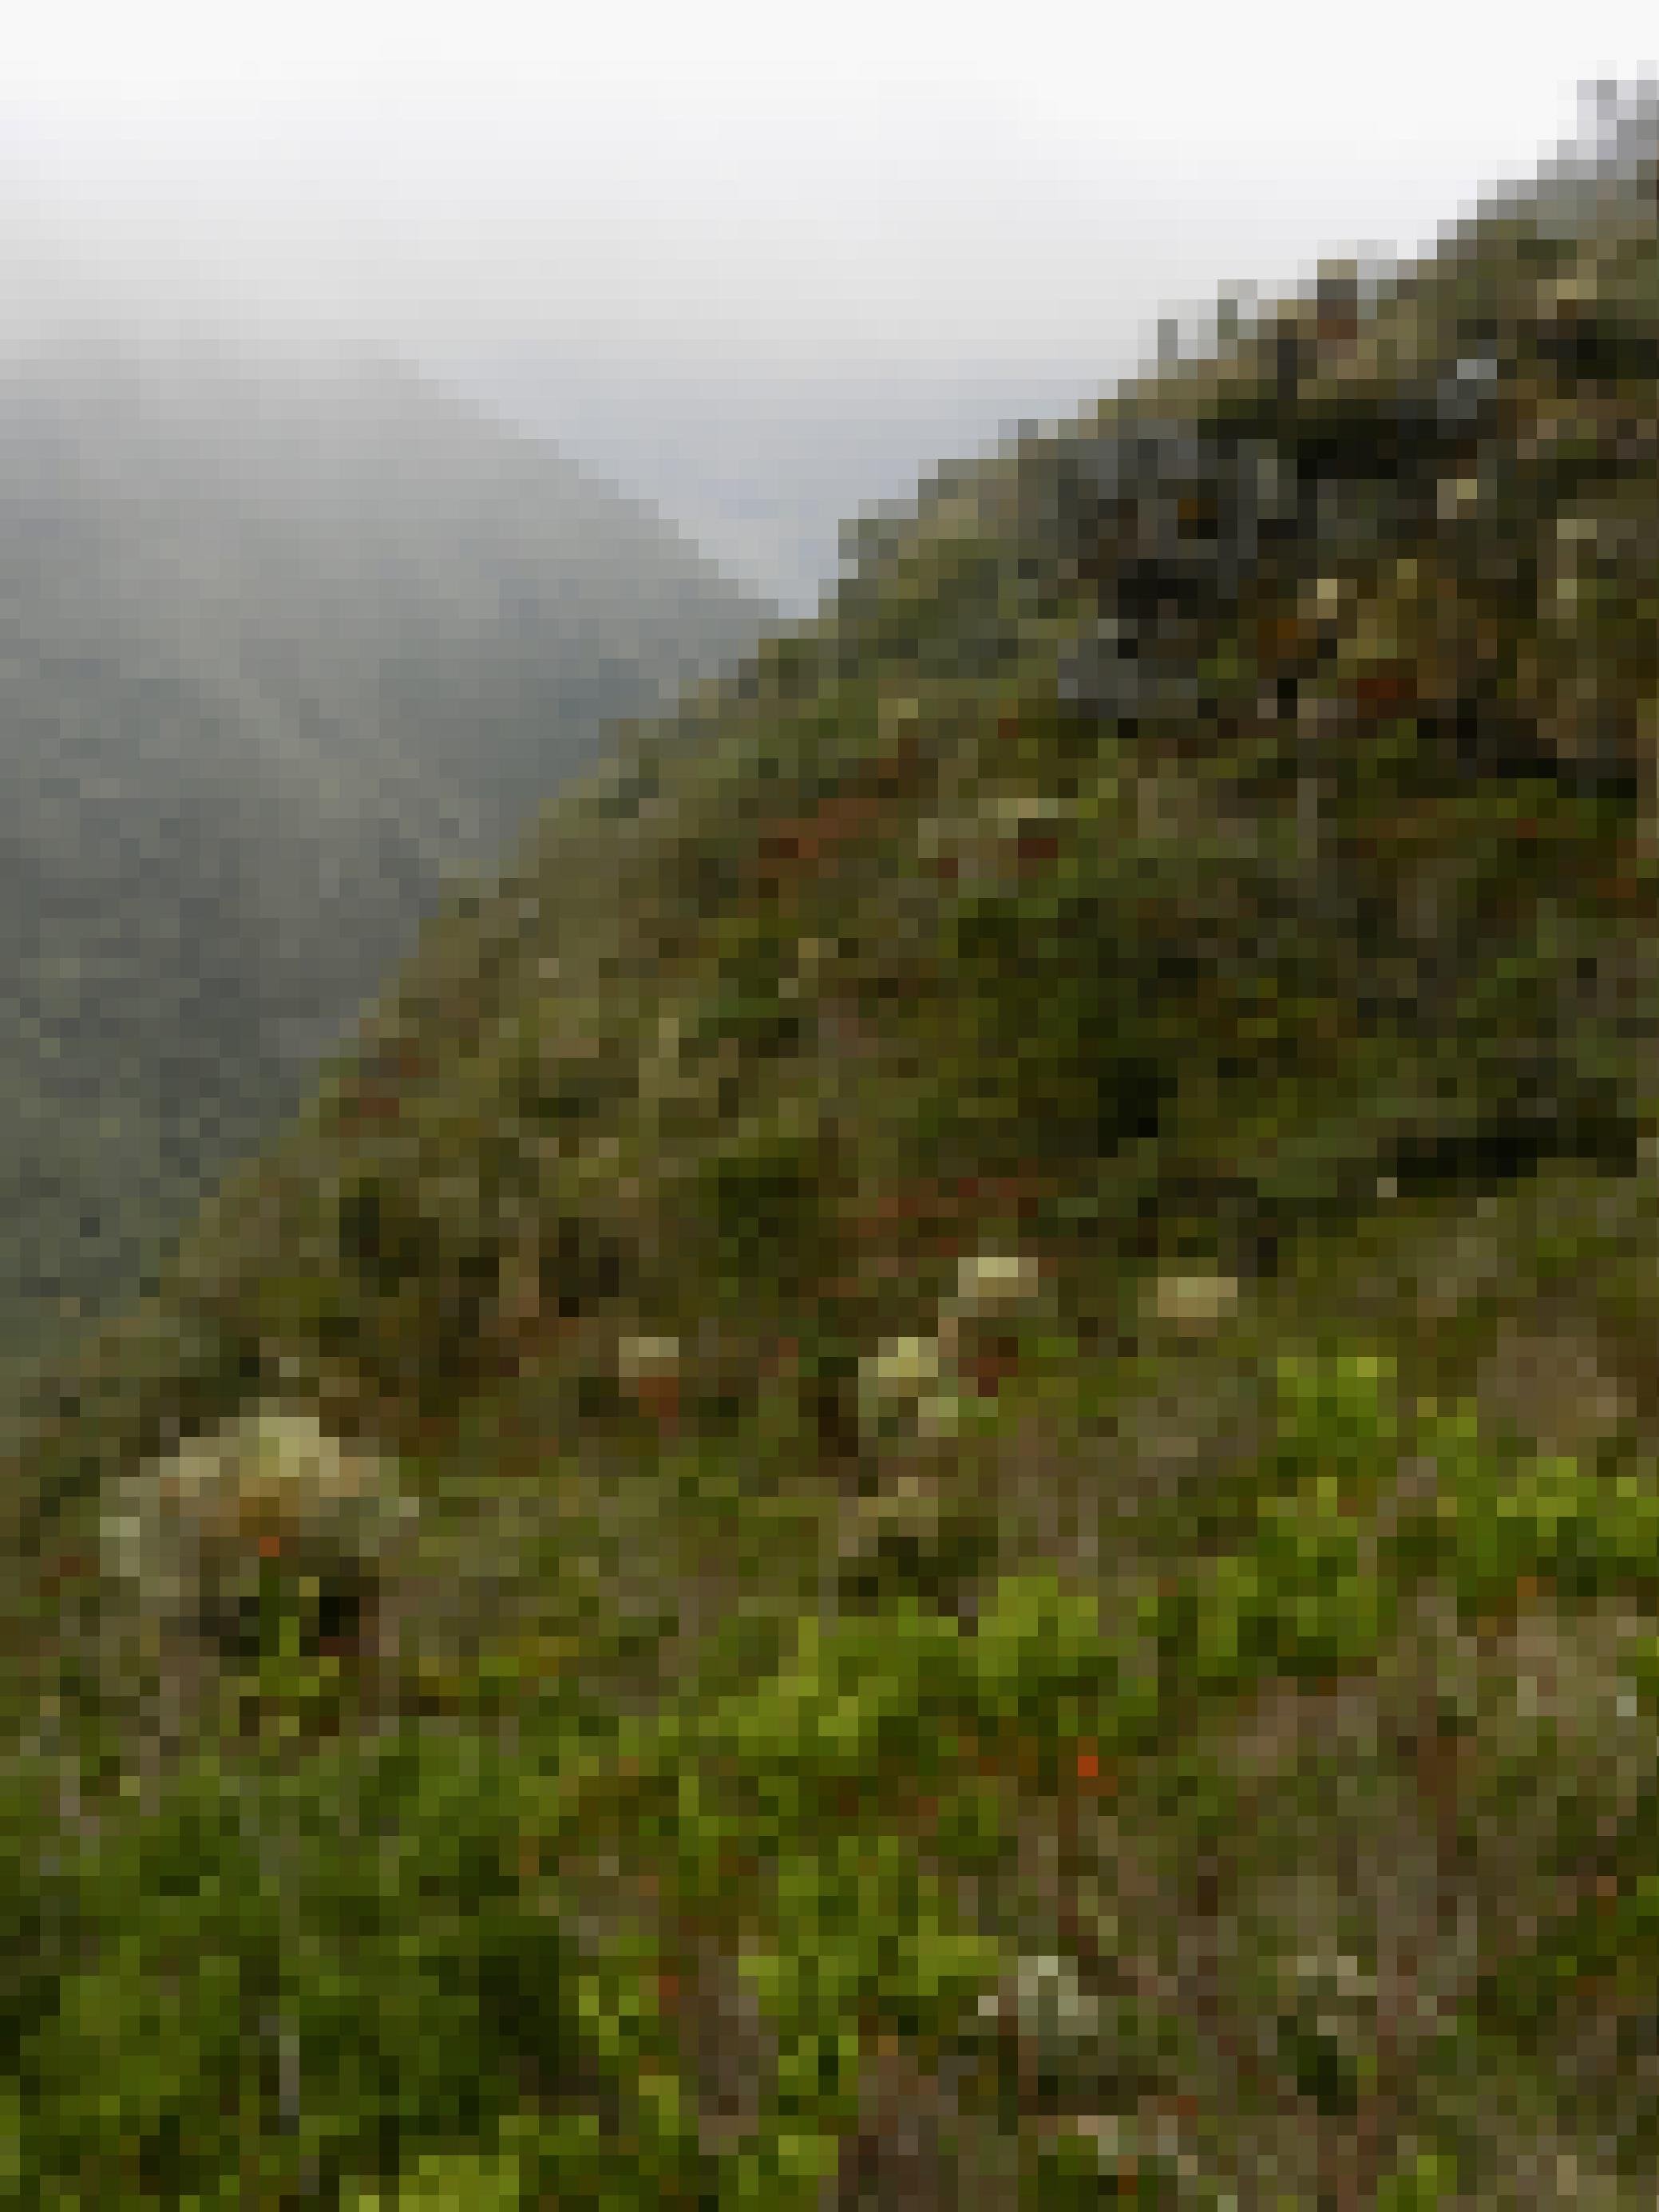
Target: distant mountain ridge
{"type": "Point", "coordinates": [286, 644]}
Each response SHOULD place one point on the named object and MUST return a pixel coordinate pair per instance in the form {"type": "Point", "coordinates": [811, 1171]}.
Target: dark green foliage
{"type": "Point", "coordinates": [228, 1923]}
{"type": "Point", "coordinates": [381, 1238]}
{"type": "Point", "coordinates": [763, 1212]}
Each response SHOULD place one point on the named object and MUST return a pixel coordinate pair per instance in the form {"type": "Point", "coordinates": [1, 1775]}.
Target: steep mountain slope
{"type": "Point", "coordinates": [1004, 1294]}
{"type": "Point", "coordinates": [283, 643]}
{"type": "Point", "coordinates": [763, 466]}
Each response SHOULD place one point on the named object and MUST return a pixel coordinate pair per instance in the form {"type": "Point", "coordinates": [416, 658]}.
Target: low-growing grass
{"type": "Point", "coordinates": [337, 1966]}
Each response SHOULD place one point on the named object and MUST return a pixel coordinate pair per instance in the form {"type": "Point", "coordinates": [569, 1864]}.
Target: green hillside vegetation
{"type": "Point", "coordinates": [932, 1478]}
{"type": "Point", "coordinates": [286, 646]}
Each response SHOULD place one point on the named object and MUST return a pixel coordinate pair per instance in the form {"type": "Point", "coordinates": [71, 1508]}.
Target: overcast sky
{"type": "Point", "coordinates": [889, 182]}
{"type": "Point", "coordinates": [759, 260]}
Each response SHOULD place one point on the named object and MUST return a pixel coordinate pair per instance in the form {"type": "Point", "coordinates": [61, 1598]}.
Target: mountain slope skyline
{"type": "Point", "coordinates": [287, 647]}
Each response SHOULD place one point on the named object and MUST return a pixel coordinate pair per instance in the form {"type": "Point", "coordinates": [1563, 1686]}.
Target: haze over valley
{"type": "Point", "coordinates": [293, 643]}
